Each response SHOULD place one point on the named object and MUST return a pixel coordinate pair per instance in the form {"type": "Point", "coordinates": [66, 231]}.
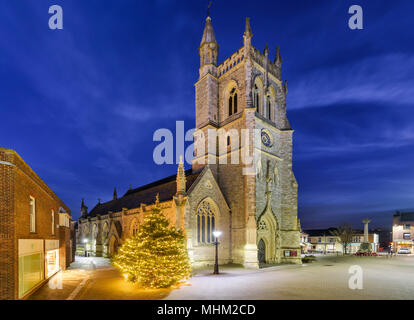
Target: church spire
{"type": "Point", "coordinates": [115, 197]}
{"type": "Point", "coordinates": [84, 209]}
{"type": "Point", "coordinates": [208, 50]}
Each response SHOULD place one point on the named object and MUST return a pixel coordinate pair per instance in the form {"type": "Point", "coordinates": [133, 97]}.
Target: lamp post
{"type": "Point", "coordinates": [216, 234]}
{"type": "Point", "coordinates": [85, 241]}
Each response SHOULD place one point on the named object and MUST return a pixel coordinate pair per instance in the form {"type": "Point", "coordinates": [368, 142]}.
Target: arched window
{"type": "Point", "coordinates": [53, 222]}
{"type": "Point", "coordinates": [233, 102]}
{"type": "Point", "coordinates": [105, 230]}
{"type": "Point", "coordinates": [228, 140]}
{"type": "Point", "coordinates": [206, 222]}
{"type": "Point", "coordinates": [269, 108]}
{"type": "Point", "coordinates": [95, 231]}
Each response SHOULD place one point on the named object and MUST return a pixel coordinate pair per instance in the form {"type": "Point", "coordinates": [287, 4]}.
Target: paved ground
{"type": "Point", "coordinates": [327, 278]}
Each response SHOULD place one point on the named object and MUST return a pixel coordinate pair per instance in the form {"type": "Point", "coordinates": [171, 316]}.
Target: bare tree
{"type": "Point", "coordinates": [345, 233]}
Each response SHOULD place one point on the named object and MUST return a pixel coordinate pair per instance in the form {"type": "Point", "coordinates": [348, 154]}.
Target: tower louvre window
{"type": "Point", "coordinates": [233, 102]}
{"type": "Point", "coordinates": [256, 98]}
{"type": "Point", "coordinates": [269, 109]}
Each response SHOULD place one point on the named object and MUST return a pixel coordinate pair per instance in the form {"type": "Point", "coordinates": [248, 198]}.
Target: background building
{"type": "Point", "coordinates": [403, 231]}
{"type": "Point", "coordinates": [322, 241]}
{"type": "Point", "coordinates": [35, 234]}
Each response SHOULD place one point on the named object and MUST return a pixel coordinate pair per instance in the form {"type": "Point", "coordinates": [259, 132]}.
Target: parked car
{"type": "Point", "coordinates": [404, 251]}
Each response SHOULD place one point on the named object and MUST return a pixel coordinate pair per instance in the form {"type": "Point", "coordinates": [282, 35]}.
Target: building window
{"type": "Point", "coordinates": [53, 222]}
{"type": "Point", "coordinates": [134, 229]}
{"type": "Point", "coordinates": [228, 140]}
{"type": "Point", "coordinates": [269, 108]}
{"type": "Point", "coordinates": [407, 226]}
{"type": "Point", "coordinates": [407, 236]}
{"type": "Point", "coordinates": [319, 239]}
{"type": "Point", "coordinates": [206, 222]}
{"type": "Point", "coordinates": [32, 214]}
{"type": "Point", "coordinates": [233, 102]}
{"type": "Point", "coordinates": [256, 97]}
{"type": "Point", "coordinates": [105, 231]}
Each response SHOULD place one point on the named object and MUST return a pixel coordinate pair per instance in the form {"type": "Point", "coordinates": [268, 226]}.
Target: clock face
{"type": "Point", "coordinates": [267, 138]}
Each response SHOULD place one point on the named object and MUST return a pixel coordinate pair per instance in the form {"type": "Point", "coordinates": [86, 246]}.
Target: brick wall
{"type": "Point", "coordinates": [20, 183]}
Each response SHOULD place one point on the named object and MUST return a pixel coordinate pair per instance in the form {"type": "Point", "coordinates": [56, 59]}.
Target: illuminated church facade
{"type": "Point", "coordinates": [253, 204]}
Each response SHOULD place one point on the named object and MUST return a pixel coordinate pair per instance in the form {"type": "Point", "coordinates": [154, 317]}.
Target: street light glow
{"type": "Point", "coordinates": [85, 240]}
{"type": "Point", "coordinates": [217, 233]}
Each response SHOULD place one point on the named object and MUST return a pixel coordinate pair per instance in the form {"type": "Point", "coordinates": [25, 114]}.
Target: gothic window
{"type": "Point", "coordinates": [233, 102]}
{"type": "Point", "coordinates": [134, 228]}
{"type": "Point", "coordinates": [256, 97]}
{"type": "Point", "coordinates": [105, 230]}
{"type": "Point", "coordinates": [269, 108]}
{"type": "Point", "coordinates": [206, 222]}
{"type": "Point", "coordinates": [94, 231]}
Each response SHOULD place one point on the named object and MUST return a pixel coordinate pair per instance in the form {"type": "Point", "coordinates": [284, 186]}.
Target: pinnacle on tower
{"type": "Point", "coordinates": [115, 197]}
{"type": "Point", "coordinates": [181, 180]}
{"type": "Point", "coordinates": [84, 209]}
{"type": "Point", "coordinates": [208, 50]}
{"type": "Point", "coordinates": [248, 30]}
{"type": "Point", "coordinates": [278, 57]}
{"type": "Point", "coordinates": [208, 34]}
{"type": "Point", "coordinates": [266, 50]}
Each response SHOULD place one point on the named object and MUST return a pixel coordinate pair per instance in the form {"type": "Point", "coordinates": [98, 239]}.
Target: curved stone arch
{"type": "Point", "coordinates": [206, 214]}
{"type": "Point", "coordinates": [268, 236]}
{"type": "Point", "coordinates": [113, 245]}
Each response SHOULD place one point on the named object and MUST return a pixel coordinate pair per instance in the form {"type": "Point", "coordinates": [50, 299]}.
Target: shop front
{"type": "Point", "coordinates": [52, 257]}
{"type": "Point", "coordinates": [404, 245]}
{"type": "Point", "coordinates": [31, 265]}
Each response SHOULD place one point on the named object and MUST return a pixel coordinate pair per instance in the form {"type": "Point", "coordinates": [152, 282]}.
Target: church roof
{"type": "Point", "coordinates": [166, 188]}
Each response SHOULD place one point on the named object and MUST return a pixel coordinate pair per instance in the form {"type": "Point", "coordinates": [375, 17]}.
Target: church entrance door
{"type": "Point", "coordinates": [261, 251]}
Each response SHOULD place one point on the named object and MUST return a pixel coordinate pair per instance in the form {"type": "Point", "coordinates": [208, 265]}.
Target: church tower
{"type": "Point", "coordinates": [244, 136]}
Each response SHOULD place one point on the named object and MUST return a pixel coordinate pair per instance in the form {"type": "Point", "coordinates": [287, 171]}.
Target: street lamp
{"type": "Point", "coordinates": [216, 234]}
{"type": "Point", "coordinates": [85, 241]}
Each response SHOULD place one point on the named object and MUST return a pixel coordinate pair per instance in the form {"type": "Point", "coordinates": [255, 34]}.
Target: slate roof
{"type": "Point", "coordinates": [166, 188]}
{"type": "Point", "coordinates": [319, 232]}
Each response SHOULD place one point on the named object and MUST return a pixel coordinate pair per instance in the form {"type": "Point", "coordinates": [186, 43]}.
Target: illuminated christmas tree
{"type": "Point", "coordinates": [156, 256]}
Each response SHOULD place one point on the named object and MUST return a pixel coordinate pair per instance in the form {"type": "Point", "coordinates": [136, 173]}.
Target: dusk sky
{"type": "Point", "coordinates": [80, 105]}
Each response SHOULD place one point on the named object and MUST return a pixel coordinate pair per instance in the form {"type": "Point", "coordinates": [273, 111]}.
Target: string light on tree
{"type": "Point", "coordinates": [156, 257]}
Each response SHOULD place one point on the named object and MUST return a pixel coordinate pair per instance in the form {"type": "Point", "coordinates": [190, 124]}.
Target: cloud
{"type": "Point", "coordinates": [384, 79]}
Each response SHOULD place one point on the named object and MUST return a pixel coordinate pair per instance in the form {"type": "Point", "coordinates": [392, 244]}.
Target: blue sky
{"type": "Point", "coordinates": [81, 105]}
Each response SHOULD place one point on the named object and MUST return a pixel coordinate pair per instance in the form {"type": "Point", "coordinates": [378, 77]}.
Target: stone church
{"type": "Point", "coordinates": [253, 204]}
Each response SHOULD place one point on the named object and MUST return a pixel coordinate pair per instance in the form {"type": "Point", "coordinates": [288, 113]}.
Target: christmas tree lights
{"type": "Point", "coordinates": [156, 256]}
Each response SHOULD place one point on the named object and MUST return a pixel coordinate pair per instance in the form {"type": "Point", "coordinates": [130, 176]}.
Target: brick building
{"type": "Point", "coordinates": [35, 229]}
{"type": "Point", "coordinates": [403, 231]}
{"type": "Point", "coordinates": [253, 203]}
